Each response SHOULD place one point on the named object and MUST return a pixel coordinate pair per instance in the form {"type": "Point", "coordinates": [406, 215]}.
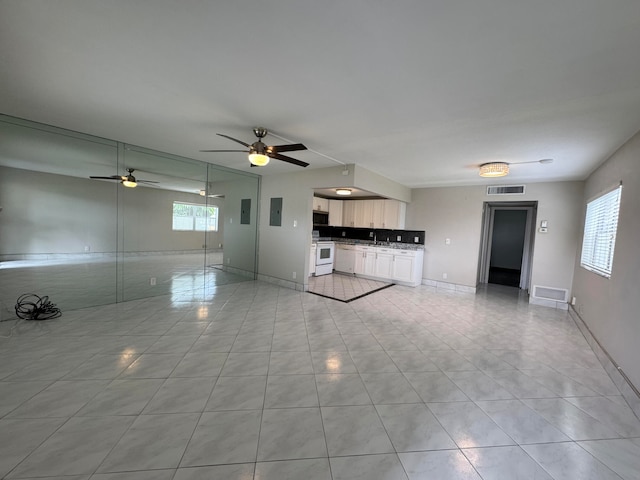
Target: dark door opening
{"type": "Point", "coordinates": [506, 251]}
{"type": "Point", "coordinates": [505, 265]}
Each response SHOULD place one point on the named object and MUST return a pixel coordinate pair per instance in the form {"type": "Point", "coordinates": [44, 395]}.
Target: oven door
{"type": "Point", "coordinates": [324, 254]}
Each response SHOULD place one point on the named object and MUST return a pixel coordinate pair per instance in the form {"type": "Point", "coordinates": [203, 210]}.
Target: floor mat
{"type": "Point", "coordinates": [343, 287]}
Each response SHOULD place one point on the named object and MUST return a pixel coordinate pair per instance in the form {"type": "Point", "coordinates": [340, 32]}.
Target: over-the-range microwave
{"type": "Point", "coordinates": [320, 218]}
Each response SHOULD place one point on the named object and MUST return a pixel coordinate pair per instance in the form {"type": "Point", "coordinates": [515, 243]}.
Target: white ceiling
{"type": "Point", "coordinates": [418, 91]}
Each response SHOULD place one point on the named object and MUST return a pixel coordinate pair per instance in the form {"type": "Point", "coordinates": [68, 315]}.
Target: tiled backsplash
{"type": "Point", "coordinates": [415, 237]}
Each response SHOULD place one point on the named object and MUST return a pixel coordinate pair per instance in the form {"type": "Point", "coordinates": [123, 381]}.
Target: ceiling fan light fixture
{"type": "Point", "coordinates": [494, 169]}
{"type": "Point", "coordinates": [258, 159]}
{"type": "Point", "coordinates": [129, 183]}
{"type": "Point", "coordinates": [343, 191]}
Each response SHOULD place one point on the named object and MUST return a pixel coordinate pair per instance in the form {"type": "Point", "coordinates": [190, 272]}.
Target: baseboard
{"type": "Point", "coordinates": [615, 372]}
{"type": "Point", "coordinates": [448, 286]}
{"type": "Point", "coordinates": [300, 287]}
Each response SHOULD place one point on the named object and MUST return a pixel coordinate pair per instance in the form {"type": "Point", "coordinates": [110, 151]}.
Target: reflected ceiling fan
{"type": "Point", "coordinates": [127, 180]}
{"type": "Point", "coordinates": [501, 169]}
{"type": "Point", "coordinates": [260, 153]}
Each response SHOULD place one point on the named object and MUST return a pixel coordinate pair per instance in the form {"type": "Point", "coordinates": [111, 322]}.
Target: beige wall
{"type": "Point", "coordinates": [611, 307]}
{"type": "Point", "coordinates": [456, 213]}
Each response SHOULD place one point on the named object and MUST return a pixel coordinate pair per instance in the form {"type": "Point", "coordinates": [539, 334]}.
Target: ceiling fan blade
{"type": "Point", "coordinates": [234, 139]}
{"type": "Point", "coordinates": [146, 181]}
{"type": "Point", "coordinates": [245, 151]}
{"type": "Point", "coordinates": [284, 158]}
{"type": "Point", "coordinates": [112, 177]}
{"type": "Point", "coordinates": [286, 148]}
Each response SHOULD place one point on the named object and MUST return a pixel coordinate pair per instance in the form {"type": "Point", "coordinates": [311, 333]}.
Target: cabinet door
{"type": "Point", "coordinates": [335, 213]}
{"type": "Point", "coordinates": [377, 213]}
{"type": "Point", "coordinates": [370, 263]}
{"type": "Point", "coordinates": [363, 213]}
{"type": "Point", "coordinates": [321, 204]}
{"type": "Point", "coordinates": [312, 260]}
{"type": "Point", "coordinates": [348, 213]}
{"type": "Point", "coordinates": [358, 266]}
{"type": "Point", "coordinates": [384, 265]}
{"type": "Point", "coordinates": [403, 267]}
{"type": "Point", "coordinates": [394, 213]}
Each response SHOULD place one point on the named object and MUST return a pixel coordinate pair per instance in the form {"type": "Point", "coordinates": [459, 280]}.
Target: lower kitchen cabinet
{"type": "Point", "coordinates": [365, 263]}
{"type": "Point", "coordinates": [384, 263]}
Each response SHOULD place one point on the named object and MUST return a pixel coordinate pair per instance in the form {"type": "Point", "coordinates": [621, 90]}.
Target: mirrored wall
{"type": "Point", "coordinates": [83, 242]}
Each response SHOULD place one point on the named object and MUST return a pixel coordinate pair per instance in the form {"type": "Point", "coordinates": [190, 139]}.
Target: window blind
{"type": "Point", "coordinates": [600, 226]}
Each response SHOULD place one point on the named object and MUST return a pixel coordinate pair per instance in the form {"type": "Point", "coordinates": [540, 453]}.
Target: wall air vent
{"type": "Point", "coordinates": [505, 190]}
{"type": "Point", "coordinates": [550, 293]}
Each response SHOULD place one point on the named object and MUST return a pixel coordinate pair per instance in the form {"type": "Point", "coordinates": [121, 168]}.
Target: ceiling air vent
{"type": "Point", "coordinates": [505, 190]}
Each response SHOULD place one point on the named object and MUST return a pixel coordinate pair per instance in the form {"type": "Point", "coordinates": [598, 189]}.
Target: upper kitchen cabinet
{"type": "Point", "coordinates": [335, 213]}
{"type": "Point", "coordinates": [374, 214]}
{"type": "Point", "coordinates": [321, 204]}
{"type": "Point", "coordinates": [394, 214]}
{"type": "Point", "coordinates": [349, 213]}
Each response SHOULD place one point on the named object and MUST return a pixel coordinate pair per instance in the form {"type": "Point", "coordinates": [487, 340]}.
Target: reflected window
{"type": "Point", "coordinates": [195, 218]}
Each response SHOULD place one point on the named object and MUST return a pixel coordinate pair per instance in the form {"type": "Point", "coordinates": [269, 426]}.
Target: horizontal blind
{"type": "Point", "coordinates": [600, 226]}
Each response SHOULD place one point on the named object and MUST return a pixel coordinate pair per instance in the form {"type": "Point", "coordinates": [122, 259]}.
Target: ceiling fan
{"type": "Point", "coordinates": [500, 169]}
{"type": "Point", "coordinates": [260, 153]}
{"type": "Point", "coordinates": [127, 180]}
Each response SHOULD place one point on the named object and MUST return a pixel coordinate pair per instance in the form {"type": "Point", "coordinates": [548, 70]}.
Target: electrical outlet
{"type": "Point", "coordinates": [573, 300]}
{"type": "Point", "coordinates": [398, 238]}
{"type": "Point", "coordinates": [87, 248]}
{"type": "Point", "coordinates": [447, 241]}
{"type": "Point", "coordinates": [344, 234]}
{"type": "Point", "coordinates": [152, 280]}
{"type": "Point", "coordinates": [444, 276]}
{"type": "Point", "coordinates": [228, 261]}
{"type": "Point", "coordinates": [416, 239]}
{"type": "Point", "coordinates": [295, 224]}
{"type": "Point", "coordinates": [294, 275]}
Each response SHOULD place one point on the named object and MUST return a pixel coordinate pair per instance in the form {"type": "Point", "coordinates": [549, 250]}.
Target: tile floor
{"type": "Point", "coordinates": [261, 382]}
{"type": "Point", "coordinates": [344, 287]}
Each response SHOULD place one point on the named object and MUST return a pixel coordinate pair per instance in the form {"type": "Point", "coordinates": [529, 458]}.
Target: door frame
{"type": "Point", "coordinates": [488, 215]}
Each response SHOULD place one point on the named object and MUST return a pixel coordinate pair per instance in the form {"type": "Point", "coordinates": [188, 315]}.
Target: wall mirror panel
{"type": "Point", "coordinates": [86, 242]}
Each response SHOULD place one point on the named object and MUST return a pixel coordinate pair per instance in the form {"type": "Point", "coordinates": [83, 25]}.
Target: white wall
{"type": "Point", "coordinates": [611, 307]}
{"type": "Point", "coordinates": [456, 213]}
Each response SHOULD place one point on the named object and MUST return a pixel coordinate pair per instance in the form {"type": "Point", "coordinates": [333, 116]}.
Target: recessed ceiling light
{"type": "Point", "coordinates": [343, 191]}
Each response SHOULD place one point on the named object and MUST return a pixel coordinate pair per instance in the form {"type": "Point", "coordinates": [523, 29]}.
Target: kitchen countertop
{"type": "Point", "coordinates": [397, 246]}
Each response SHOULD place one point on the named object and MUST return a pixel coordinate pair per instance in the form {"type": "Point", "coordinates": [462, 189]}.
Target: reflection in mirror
{"type": "Point", "coordinates": [86, 242]}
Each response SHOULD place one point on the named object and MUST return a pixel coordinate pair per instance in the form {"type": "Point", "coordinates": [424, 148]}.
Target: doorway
{"type": "Point", "coordinates": [507, 243]}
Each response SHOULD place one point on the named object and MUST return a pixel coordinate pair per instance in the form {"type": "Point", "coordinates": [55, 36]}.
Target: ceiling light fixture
{"type": "Point", "coordinates": [203, 192]}
{"type": "Point", "coordinates": [343, 191]}
{"type": "Point", "coordinates": [258, 159]}
{"type": "Point", "coordinates": [494, 169]}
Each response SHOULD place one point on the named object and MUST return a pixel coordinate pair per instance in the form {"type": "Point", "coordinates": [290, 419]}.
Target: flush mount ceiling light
{"type": "Point", "coordinates": [494, 169]}
{"type": "Point", "coordinates": [343, 191]}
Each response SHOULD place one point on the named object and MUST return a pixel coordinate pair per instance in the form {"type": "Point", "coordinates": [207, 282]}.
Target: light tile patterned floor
{"type": "Point", "coordinates": [344, 287]}
{"type": "Point", "coordinates": [261, 382]}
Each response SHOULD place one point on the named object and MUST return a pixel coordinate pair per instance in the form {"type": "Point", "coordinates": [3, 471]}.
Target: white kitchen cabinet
{"type": "Point", "coordinates": [335, 213]}
{"type": "Point", "coordinates": [349, 213]}
{"type": "Point", "coordinates": [407, 266]}
{"type": "Point", "coordinates": [384, 263]}
{"type": "Point", "coordinates": [321, 204]}
{"type": "Point", "coordinates": [403, 267]}
{"type": "Point", "coordinates": [312, 259]}
{"type": "Point", "coordinates": [365, 261]}
{"type": "Point", "coordinates": [345, 260]}
{"type": "Point", "coordinates": [394, 214]}
{"type": "Point", "coordinates": [373, 214]}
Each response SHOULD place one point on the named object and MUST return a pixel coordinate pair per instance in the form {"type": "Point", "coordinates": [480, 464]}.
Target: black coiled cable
{"type": "Point", "coordinates": [32, 307]}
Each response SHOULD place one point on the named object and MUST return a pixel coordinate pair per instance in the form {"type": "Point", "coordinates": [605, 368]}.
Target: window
{"type": "Point", "coordinates": [195, 218]}
{"type": "Point", "coordinates": [600, 226]}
